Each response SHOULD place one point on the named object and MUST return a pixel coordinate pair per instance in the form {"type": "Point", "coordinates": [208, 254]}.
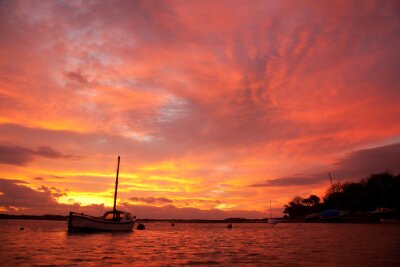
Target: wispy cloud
{"type": "Point", "coordinates": [289, 181]}
{"type": "Point", "coordinates": [150, 200]}
{"type": "Point", "coordinates": [16, 155]}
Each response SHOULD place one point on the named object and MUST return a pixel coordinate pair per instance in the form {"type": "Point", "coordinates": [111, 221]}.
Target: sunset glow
{"type": "Point", "coordinates": [212, 105]}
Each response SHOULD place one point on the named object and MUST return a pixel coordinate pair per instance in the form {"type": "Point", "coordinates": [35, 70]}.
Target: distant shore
{"type": "Point", "coordinates": [50, 217]}
{"type": "Point", "coordinates": [47, 217]}
{"type": "Point", "coordinates": [345, 219]}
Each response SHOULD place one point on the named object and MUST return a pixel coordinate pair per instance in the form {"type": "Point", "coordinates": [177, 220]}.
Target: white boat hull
{"type": "Point", "coordinates": [84, 223]}
{"type": "Point", "coordinates": [272, 221]}
{"type": "Point", "coordinates": [390, 221]}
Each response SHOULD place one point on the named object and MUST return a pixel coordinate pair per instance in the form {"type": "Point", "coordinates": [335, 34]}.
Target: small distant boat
{"type": "Point", "coordinates": [271, 221]}
{"type": "Point", "coordinates": [114, 220]}
{"type": "Point", "coordinates": [383, 212]}
{"type": "Point", "coordinates": [390, 221]}
{"type": "Point", "coordinates": [333, 215]}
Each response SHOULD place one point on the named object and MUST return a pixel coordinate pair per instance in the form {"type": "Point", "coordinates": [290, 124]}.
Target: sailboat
{"type": "Point", "coordinates": [271, 221]}
{"type": "Point", "coordinates": [114, 220]}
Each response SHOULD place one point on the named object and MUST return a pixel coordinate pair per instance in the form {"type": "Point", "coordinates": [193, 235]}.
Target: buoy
{"type": "Point", "coordinates": [140, 227]}
{"type": "Point", "coordinates": [22, 228]}
{"type": "Point", "coordinates": [229, 226]}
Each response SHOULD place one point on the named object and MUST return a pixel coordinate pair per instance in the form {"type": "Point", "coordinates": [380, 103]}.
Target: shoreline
{"type": "Point", "coordinates": [349, 219]}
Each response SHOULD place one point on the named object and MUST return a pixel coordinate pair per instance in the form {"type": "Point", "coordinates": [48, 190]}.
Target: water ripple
{"type": "Point", "coordinates": [47, 243]}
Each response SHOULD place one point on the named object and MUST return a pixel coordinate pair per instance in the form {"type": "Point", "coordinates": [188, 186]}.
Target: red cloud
{"type": "Point", "coordinates": [241, 92]}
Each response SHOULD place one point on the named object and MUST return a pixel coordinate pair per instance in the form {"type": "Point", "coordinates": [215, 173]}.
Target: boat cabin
{"type": "Point", "coordinates": [117, 216]}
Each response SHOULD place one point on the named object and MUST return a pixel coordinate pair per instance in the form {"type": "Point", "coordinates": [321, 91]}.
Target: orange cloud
{"type": "Point", "coordinates": [201, 99]}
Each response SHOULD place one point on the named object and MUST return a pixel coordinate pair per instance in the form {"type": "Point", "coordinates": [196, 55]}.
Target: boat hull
{"type": "Point", "coordinates": [390, 221]}
{"type": "Point", "coordinates": [84, 223]}
{"type": "Point", "coordinates": [273, 221]}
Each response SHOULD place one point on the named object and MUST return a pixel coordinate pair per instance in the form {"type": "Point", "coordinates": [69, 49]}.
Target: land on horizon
{"type": "Point", "coordinates": [63, 218]}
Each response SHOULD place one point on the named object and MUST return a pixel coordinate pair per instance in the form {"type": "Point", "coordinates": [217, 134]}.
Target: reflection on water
{"type": "Point", "coordinates": [47, 243]}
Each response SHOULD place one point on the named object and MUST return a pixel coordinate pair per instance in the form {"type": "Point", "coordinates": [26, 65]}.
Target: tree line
{"type": "Point", "coordinates": [381, 190]}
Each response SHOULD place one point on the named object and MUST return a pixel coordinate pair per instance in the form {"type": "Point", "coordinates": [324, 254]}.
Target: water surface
{"type": "Point", "coordinates": [47, 243]}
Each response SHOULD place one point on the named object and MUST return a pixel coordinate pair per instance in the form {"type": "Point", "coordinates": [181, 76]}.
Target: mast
{"type": "Point", "coordinates": [116, 189]}
{"type": "Point", "coordinates": [270, 209]}
{"type": "Point", "coordinates": [333, 190]}
{"type": "Point", "coordinates": [330, 178]}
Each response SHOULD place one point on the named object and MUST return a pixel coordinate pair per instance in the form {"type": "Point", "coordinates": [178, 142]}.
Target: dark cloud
{"type": "Point", "coordinates": [53, 192]}
{"type": "Point", "coordinates": [16, 193]}
{"type": "Point", "coordinates": [77, 77]}
{"type": "Point", "coordinates": [15, 155]}
{"type": "Point", "coordinates": [48, 152]}
{"type": "Point", "coordinates": [17, 198]}
{"type": "Point", "coordinates": [151, 200]}
{"type": "Point", "coordinates": [361, 163]}
{"type": "Point", "coordinates": [20, 156]}
{"type": "Point", "coordinates": [354, 166]}
{"type": "Point", "coordinates": [288, 181]}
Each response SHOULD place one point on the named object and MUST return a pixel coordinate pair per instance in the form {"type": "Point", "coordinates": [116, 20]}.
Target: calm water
{"type": "Point", "coordinates": [47, 243]}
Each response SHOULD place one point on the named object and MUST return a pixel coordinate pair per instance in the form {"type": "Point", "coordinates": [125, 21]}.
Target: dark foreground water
{"type": "Point", "coordinates": [47, 243]}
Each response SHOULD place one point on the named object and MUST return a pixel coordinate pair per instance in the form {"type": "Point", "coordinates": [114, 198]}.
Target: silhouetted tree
{"type": "Point", "coordinates": [295, 208]}
{"type": "Point", "coordinates": [378, 190]}
{"type": "Point", "coordinates": [308, 202]}
{"type": "Point", "coordinates": [315, 199]}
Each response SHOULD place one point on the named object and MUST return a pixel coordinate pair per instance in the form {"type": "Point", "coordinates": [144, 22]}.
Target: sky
{"type": "Point", "coordinates": [217, 108]}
